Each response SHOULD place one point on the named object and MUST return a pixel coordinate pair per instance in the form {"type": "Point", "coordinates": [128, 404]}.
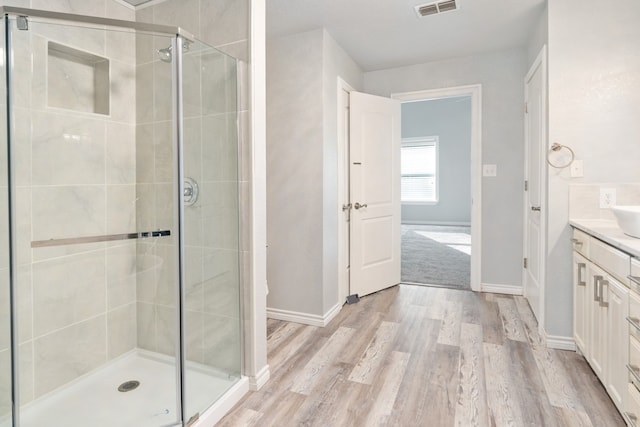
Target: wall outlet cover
{"type": "Point", "coordinates": [489, 170]}
{"type": "Point", "coordinates": [607, 197]}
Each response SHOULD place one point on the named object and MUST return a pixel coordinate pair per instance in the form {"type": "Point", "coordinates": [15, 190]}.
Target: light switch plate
{"type": "Point", "coordinates": [489, 170]}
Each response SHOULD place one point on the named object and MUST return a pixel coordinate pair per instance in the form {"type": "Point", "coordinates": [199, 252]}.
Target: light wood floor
{"type": "Point", "coordinates": [420, 356]}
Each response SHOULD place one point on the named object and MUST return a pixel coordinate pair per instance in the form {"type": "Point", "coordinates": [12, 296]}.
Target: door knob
{"type": "Point", "coordinates": [358, 205]}
{"type": "Point", "coordinates": [535, 208]}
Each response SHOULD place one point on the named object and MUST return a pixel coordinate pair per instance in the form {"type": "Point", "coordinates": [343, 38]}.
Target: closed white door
{"type": "Point", "coordinates": [374, 157]}
{"type": "Point", "coordinates": [535, 145]}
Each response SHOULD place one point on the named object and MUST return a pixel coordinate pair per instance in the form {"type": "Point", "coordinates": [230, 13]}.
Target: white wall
{"type": "Point", "coordinates": [501, 75]}
{"type": "Point", "coordinates": [302, 187]}
{"type": "Point", "coordinates": [450, 120]}
{"type": "Point", "coordinates": [594, 107]}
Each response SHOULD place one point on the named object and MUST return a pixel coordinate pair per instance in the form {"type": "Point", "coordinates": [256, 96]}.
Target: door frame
{"type": "Point", "coordinates": [343, 180]}
{"type": "Point", "coordinates": [539, 62]}
{"type": "Point", "coordinates": [475, 92]}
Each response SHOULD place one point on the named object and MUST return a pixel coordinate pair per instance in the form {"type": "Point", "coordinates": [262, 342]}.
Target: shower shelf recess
{"type": "Point", "coordinates": [77, 80]}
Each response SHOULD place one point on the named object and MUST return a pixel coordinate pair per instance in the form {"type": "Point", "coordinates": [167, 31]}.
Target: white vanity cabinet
{"type": "Point", "coordinates": [601, 309]}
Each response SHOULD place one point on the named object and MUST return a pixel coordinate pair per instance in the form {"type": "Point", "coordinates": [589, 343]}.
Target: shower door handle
{"type": "Point", "coordinates": [96, 239]}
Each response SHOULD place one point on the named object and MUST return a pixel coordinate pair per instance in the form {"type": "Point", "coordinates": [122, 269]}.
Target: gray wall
{"type": "Point", "coordinates": [594, 107]}
{"type": "Point", "coordinates": [450, 120]}
{"type": "Point", "coordinates": [501, 75]}
{"type": "Point", "coordinates": [302, 188]}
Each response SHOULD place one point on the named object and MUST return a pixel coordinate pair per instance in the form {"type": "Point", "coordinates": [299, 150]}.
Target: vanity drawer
{"type": "Point", "coordinates": [635, 272]}
{"type": "Point", "coordinates": [634, 315]}
{"type": "Point", "coordinates": [581, 242]}
{"type": "Point", "coordinates": [634, 361]}
{"type": "Point", "coordinates": [632, 406]}
{"type": "Point", "coordinates": [615, 262]}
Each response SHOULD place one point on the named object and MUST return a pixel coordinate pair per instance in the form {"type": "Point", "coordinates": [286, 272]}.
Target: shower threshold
{"type": "Point", "coordinates": [95, 400]}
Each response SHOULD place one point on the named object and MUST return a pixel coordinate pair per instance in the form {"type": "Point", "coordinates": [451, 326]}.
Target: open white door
{"type": "Point", "coordinates": [534, 195]}
{"type": "Point", "coordinates": [374, 193]}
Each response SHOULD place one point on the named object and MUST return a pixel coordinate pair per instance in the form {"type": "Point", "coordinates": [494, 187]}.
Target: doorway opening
{"type": "Point", "coordinates": [440, 187]}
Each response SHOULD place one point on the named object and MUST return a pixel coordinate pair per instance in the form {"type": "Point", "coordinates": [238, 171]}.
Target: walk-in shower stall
{"type": "Point", "coordinates": [119, 258]}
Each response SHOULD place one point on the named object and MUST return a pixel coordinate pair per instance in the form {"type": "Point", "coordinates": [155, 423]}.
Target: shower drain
{"type": "Point", "coordinates": [128, 386]}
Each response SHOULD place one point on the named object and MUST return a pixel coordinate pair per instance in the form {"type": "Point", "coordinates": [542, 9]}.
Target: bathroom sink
{"type": "Point", "coordinates": [628, 218]}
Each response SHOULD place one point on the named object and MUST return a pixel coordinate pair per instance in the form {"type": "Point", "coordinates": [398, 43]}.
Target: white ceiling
{"type": "Point", "coordinates": [380, 34]}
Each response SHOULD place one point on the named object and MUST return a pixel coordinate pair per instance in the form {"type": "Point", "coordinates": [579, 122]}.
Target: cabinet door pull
{"type": "Point", "coordinates": [602, 302]}
{"type": "Point", "coordinates": [634, 322]}
{"type": "Point", "coordinates": [635, 371]}
{"type": "Point", "coordinates": [633, 418]}
{"type": "Point", "coordinates": [634, 279]}
{"type": "Point", "coordinates": [596, 283]}
{"type": "Point", "coordinates": [576, 242]}
{"type": "Point", "coordinates": [581, 282]}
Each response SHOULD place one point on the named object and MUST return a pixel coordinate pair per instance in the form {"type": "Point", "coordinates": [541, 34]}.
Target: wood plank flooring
{"type": "Point", "coordinates": [419, 356]}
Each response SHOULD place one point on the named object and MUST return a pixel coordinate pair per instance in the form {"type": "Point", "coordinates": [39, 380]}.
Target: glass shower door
{"type": "Point", "coordinates": [95, 225]}
{"type": "Point", "coordinates": [212, 330]}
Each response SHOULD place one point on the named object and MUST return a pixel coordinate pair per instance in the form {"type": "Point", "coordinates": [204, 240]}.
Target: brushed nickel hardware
{"type": "Point", "coordinates": [535, 208]}
{"type": "Point", "coordinates": [576, 242]}
{"type": "Point", "coordinates": [596, 283]}
{"type": "Point", "coordinates": [96, 239]}
{"type": "Point", "coordinates": [346, 207]}
{"type": "Point", "coordinates": [632, 418]}
{"type": "Point", "coordinates": [634, 322]}
{"type": "Point", "coordinates": [581, 282]}
{"type": "Point", "coordinates": [357, 163]}
{"type": "Point", "coordinates": [358, 205]}
{"type": "Point", "coordinates": [634, 279]}
{"type": "Point", "coordinates": [602, 302]}
{"type": "Point", "coordinates": [635, 371]}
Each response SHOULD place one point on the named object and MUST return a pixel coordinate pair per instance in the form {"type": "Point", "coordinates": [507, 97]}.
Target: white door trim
{"type": "Point", "coordinates": [343, 179]}
{"type": "Point", "coordinates": [475, 91]}
{"type": "Point", "coordinates": [539, 62]}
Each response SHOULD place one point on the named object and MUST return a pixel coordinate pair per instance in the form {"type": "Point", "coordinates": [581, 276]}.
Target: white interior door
{"type": "Point", "coordinates": [374, 157]}
{"type": "Point", "coordinates": [534, 220]}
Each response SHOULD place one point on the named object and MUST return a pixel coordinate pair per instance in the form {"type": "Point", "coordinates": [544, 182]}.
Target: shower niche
{"type": "Point", "coordinates": [108, 276]}
{"type": "Point", "coordinates": [77, 80]}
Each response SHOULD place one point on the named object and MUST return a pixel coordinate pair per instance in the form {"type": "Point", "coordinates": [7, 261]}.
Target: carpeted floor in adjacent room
{"type": "Point", "coordinates": [436, 255]}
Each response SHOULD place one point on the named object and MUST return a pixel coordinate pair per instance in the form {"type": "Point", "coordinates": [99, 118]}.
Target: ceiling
{"type": "Point", "coordinates": [380, 34]}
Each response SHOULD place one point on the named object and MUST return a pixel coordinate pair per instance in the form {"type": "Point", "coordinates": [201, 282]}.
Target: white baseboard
{"type": "Point", "coordinates": [304, 318]}
{"type": "Point", "coordinates": [560, 343]}
{"type": "Point", "coordinates": [260, 379]}
{"type": "Point", "coordinates": [223, 405]}
{"type": "Point", "coordinates": [501, 289]}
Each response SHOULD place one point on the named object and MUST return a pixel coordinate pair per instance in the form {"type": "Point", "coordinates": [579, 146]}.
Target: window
{"type": "Point", "coordinates": [419, 170]}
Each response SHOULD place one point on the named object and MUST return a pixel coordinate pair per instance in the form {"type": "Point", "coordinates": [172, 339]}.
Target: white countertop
{"type": "Point", "coordinates": [609, 232]}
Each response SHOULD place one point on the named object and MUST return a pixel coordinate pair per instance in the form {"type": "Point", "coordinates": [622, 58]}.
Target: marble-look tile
{"type": "Point", "coordinates": [144, 93]}
{"type": "Point", "coordinates": [67, 149]}
{"type": "Point", "coordinates": [165, 215]}
{"type": "Point", "coordinates": [121, 330]}
{"type": "Point", "coordinates": [221, 282]}
{"type": "Point", "coordinates": [220, 215]}
{"type": "Point", "coordinates": [238, 50]}
{"type": "Point", "coordinates": [219, 90]}
{"type": "Point", "coordinates": [121, 275]}
{"type": "Point", "coordinates": [23, 225]}
{"type": "Point", "coordinates": [193, 264]}
{"type": "Point", "coordinates": [144, 43]}
{"type": "Point", "coordinates": [584, 201]}
{"type": "Point", "coordinates": [163, 152]}
{"type": "Point", "coordinates": [25, 303]}
{"type": "Point", "coordinates": [121, 209]}
{"type": "Point", "coordinates": [26, 372]}
{"type": "Point", "coordinates": [193, 225]}
{"type": "Point", "coordinates": [5, 383]}
{"type": "Point", "coordinates": [145, 159]}
{"type": "Point", "coordinates": [23, 59]}
{"type": "Point", "coordinates": [181, 13]}
{"type": "Point", "coordinates": [224, 21]}
{"type": "Point", "coordinates": [628, 194]}
{"type": "Point", "coordinates": [116, 10]}
{"type": "Point", "coordinates": [121, 46]}
{"type": "Point", "coordinates": [194, 336]}
{"type": "Point", "coordinates": [68, 353]}
{"type": "Point", "coordinates": [21, 145]}
{"type": "Point", "coordinates": [192, 93]}
{"type": "Point", "coordinates": [68, 290]}
{"type": "Point", "coordinates": [166, 319]}
{"type": "Point", "coordinates": [146, 326]}
{"type": "Point", "coordinates": [122, 87]}
{"type": "Point", "coordinates": [220, 147]}
{"type": "Point", "coordinates": [166, 286]}
{"type": "Point", "coordinates": [222, 342]}
{"type": "Point", "coordinates": [147, 267]}
{"type": "Point", "coordinates": [69, 211]}
{"type": "Point", "coordinates": [121, 153]}
{"type": "Point", "coordinates": [193, 161]}
{"type": "Point", "coordinates": [162, 88]}
{"type": "Point", "coordinates": [245, 164]}
{"type": "Point", "coordinates": [81, 7]}
{"type": "Point", "coordinates": [145, 207]}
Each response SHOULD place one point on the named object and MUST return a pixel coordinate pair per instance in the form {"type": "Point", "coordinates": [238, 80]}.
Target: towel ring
{"type": "Point", "coordinates": [554, 149]}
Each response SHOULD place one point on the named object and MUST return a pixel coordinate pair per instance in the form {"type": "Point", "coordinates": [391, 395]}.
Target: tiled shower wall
{"type": "Point", "coordinates": [212, 318]}
{"type": "Point", "coordinates": [75, 176]}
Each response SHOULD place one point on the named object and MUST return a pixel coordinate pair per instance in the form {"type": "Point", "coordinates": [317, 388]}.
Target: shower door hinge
{"type": "Point", "coordinates": [526, 186]}
{"type": "Point", "coordinates": [22, 22]}
{"type": "Point", "coordinates": [526, 263]}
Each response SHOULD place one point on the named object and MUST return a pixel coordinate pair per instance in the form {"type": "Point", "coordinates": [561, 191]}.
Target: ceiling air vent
{"type": "Point", "coordinates": [435, 8]}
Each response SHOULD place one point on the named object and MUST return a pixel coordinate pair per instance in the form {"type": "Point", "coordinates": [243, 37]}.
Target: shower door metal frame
{"type": "Point", "coordinates": [178, 35]}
